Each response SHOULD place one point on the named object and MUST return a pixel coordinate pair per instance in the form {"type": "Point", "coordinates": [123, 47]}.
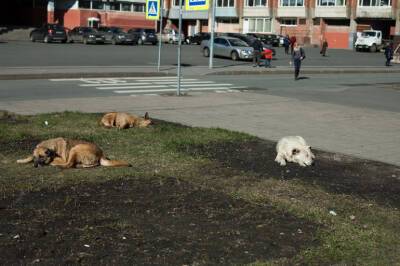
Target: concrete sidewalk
{"type": "Point", "coordinates": [11, 73]}
{"type": "Point", "coordinates": [359, 132]}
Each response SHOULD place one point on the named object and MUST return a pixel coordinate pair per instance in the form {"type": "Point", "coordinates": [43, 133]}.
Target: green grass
{"type": "Point", "coordinates": [168, 149]}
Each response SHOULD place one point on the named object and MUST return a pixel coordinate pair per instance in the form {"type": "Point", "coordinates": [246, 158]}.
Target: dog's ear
{"type": "Point", "coordinates": [295, 151]}
{"type": "Point", "coordinates": [146, 116]}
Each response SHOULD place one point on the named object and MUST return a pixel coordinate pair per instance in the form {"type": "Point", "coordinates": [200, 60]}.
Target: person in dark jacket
{"type": "Point", "coordinates": [258, 47]}
{"type": "Point", "coordinates": [286, 44]}
{"type": "Point", "coordinates": [389, 53]}
{"type": "Point", "coordinates": [324, 47]}
{"type": "Point", "coordinates": [298, 55]}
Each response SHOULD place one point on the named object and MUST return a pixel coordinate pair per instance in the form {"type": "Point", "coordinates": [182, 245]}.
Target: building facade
{"type": "Point", "coordinates": [309, 20]}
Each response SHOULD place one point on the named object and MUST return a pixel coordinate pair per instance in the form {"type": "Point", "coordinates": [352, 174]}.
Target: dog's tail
{"type": "Point", "coordinates": [113, 163]}
{"type": "Point", "coordinates": [26, 160]}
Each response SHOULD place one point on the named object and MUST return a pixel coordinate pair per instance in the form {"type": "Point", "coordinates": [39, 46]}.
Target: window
{"type": "Point", "coordinates": [84, 4]}
{"type": "Point", "coordinates": [331, 3]}
{"type": "Point", "coordinates": [259, 24]}
{"type": "Point", "coordinates": [114, 6]}
{"type": "Point", "coordinates": [97, 5]}
{"type": "Point", "coordinates": [137, 7]}
{"type": "Point", "coordinates": [126, 6]}
{"type": "Point", "coordinates": [374, 3]}
{"type": "Point", "coordinates": [288, 22]}
{"type": "Point", "coordinates": [292, 2]}
{"type": "Point", "coordinates": [252, 3]}
{"type": "Point", "coordinates": [225, 3]}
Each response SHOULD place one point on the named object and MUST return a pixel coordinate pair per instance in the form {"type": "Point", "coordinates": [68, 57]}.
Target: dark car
{"type": "Point", "coordinates": [116, 35]}
{"type": "Point", "coordinates": [198, 38]}
{"type": "Point", "coordinates": [85, 35]}
{"type": "Point", "coordinates": [145, 36]}
{"type": "Point", "coordinates": [49, 33]}
{"type": "Point", "coordinates": [271, 39]}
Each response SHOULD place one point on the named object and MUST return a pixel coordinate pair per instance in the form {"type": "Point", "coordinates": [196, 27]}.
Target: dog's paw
{"type": "Point", "coordinates": [281, 161]}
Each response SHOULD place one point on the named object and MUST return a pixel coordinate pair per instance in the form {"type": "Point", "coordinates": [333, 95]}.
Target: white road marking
{"type": "Point", "coordinates": [151, 85]}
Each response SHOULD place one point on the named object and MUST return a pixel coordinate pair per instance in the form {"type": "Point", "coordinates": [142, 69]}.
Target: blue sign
{"type": "Point", "coordinates": [197, 4]}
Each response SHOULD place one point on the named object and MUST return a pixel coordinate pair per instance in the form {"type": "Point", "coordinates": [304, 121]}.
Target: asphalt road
{"type": "Point", "coordinates": [27, 54]}
{"type": "Point", "coordinates": [372, 91]}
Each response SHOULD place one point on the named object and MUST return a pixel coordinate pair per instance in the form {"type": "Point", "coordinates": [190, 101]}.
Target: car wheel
{"type": "Point", "coordinates": [70, 40]}
{"type": "Point", "coordinates": [154, 43]}
{"type": "Point", "coordinates": [171, 41]}
{"type": "Point", "coordinates": [234, 56]}
{"type": "Point", "coordinates": [140, 42]}
{"type": "Point", "coordinates": [32, 38]}
{"type": "Point", "coordinates": [46, 39]}
{"type": "Point", "coordinates": [373, 49]}
{"type": "Point", "coordinates": [64, 41]}
{"type": "Point", "coordinates": [206, 52]}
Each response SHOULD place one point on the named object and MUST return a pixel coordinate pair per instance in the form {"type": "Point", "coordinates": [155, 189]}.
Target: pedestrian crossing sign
{"type": "Point", "coordinates": [153, 9]}
{"type": "Point", "coordinates": [197, 4]}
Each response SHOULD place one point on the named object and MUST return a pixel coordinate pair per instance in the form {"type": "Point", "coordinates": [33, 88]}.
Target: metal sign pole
{"type": "Point", "coordinates": [210, 63]}
{"type": "Point", "coordinates": [178, 92]}
{"type": "Point", "coordinates": [160, 40]}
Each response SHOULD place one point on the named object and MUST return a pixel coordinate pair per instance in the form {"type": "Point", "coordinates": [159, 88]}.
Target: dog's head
{"type": "Point", "coordinates": [302, 155]}
{"type": "Point", "coordinates": [145, 121]}
{"type": "Point", "coordinates": [42, 156]}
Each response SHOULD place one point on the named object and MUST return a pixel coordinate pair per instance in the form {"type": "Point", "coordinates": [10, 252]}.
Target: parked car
{"type": "Point", "coordinates": [144, 36]}
{"type": "Point", "coordinates": [49, 33]}
{"type": "Point", "coordinates": [271, 39]}
{"type": "Point", "coordinates": [247, 39]}
{"type": "Point", "coordinates": [197, 38]}
{"type": "Point", "coordinates": [171, 36]}
{"type": "Point", "coordinates": [116, 35]}
{"type": "Point", "coordinates": [228, 47]}
{"type": "Point", "coordinates": [85, 35]}
{"type": "Point", "coordinates": [265, 44]}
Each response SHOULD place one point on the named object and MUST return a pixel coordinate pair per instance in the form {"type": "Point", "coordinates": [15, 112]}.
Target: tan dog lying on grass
{"type": "Point", "coordinates": [294, 149]}
{"type": "Point", "coordinates": [68, 153]}
{"type": "Point", "coordinates": [125, 120]}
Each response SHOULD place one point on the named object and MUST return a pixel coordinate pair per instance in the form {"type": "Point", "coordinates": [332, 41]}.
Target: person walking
{"type": "Point", "coordinates": [389, 53]}
{"type": "Point", "coordinates": [257, 49]}
{"type": "Point", "coordinates": [298, 55]}
{"type": "Point", "coordinates": [286, 44]}
{"type": "Point", "coordinates": [324, 47]}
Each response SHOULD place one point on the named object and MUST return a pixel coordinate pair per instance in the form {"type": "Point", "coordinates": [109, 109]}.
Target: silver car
{"type": "Point", "coordinates": [228, 47]}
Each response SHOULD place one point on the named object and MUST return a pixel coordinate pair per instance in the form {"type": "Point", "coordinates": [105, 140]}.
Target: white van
{"type": "Point", "coordinates": [171, 36]}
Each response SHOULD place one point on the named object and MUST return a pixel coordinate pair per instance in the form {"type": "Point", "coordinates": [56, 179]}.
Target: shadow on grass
{"type": "Point", "coordinates": [334, 172]}
{"type": "Point", "coordinates": [162, 221]}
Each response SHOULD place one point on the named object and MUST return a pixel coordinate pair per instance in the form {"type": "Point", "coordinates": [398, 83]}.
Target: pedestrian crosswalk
{"type": "Point", "coordinates": [152, 85]}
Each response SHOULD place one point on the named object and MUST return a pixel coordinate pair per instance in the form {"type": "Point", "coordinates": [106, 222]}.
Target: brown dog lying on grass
{"type": "Point", "coordinates": [66, 153]}
{"type": "Point", "coordinates": [125, 120]}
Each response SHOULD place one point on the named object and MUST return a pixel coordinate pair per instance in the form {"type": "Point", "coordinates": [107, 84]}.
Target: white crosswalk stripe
{"type": "Point", "coordinates": [151, 85]}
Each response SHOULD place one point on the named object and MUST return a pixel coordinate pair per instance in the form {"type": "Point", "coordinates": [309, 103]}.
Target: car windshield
{"type": "Point", "coordinates": [88, 30]}
{"type": "Point", "coordinates": [237, 42]}
{"type": "Point", "coordinates": [117, 30]}
{"type": "Point", "coordinates": [368, 34]}
{"type": "Point", "coordinates": [56, 27]}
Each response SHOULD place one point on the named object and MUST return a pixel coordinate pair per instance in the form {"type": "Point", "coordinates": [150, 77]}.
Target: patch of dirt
{"type": "Point", "coordinates": [8, 117]}
{"type": "Point", "coordinates": [336, 173]}
{"type": "Point", "coordinates": [19, 145]}
{"type": "Point", "coordinates": [162, 221]}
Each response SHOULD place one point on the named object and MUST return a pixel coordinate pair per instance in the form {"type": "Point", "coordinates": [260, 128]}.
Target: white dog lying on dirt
{"type": "Point", "coordinates": [294, 149]}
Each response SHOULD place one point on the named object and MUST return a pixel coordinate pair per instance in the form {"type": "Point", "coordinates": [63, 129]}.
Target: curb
{"type": "Point", "coordinates": [22, 76]}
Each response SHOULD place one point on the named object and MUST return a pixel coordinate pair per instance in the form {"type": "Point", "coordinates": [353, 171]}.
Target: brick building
{"type": "Point", "coordinates": [309, 20]}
